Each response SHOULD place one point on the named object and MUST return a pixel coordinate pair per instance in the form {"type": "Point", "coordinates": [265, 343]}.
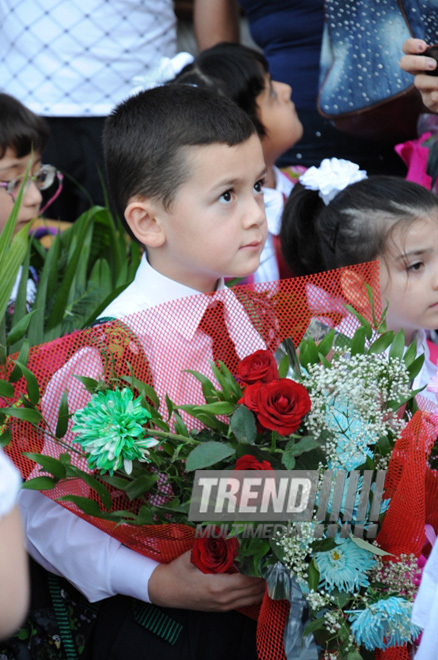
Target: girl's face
{"type": "Point", "coordinates": [278, 115]}
{"type": "Point", "coordinates": [409, 277]}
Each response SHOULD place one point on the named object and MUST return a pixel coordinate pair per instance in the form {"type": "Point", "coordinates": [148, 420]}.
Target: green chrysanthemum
{"type": "Point", "coordinates": [110, 430]}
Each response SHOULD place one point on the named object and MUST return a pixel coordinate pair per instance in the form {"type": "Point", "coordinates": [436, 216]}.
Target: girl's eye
{"type": "Point", "coordinates": [226, 197]}
{"type": "Point", "coordinates": [258, 186]}
{"type": "Point", "coordinates": [414, 268]}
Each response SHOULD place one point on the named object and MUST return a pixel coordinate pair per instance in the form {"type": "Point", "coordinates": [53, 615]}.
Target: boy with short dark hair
{"type": "Point", "coordinates": [185, 170]}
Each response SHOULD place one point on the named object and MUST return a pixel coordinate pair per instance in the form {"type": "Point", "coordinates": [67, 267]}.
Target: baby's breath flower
{"type": "Point", "coordinates": [110, 429]}
{"type": "Point", "coordinates": [297, 548]}
{"type": "Point", "coordinates": [349, 402]}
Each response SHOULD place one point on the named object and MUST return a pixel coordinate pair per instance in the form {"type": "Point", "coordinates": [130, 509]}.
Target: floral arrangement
{"type": "Point", "coordinates": [339, 404]}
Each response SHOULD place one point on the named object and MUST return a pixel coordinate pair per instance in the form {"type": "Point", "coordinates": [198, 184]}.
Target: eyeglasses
{"type": "Point", "coordinates": [43, 179]}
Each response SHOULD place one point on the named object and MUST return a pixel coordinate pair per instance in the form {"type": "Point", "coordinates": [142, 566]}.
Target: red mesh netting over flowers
{"type": "Point", "coordinates": [157, 345]}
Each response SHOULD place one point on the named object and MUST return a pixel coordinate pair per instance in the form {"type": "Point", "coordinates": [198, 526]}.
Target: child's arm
{"type": "Point", "coordinates": [415, 64]}
{"type": "Point", "coordinates": [14, 573]}
{"type": "Point", "coordinates": [99, 566]}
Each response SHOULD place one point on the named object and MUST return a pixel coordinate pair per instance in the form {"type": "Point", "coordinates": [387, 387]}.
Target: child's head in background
{"type": "Point", "coordinates": [381, 218]}
{"type": "Point", "coordinates": [185, 170]}
{"type": "Point", "coordinates": [23, 137]}
{"type": "Point", "coordinates": [242, 74]}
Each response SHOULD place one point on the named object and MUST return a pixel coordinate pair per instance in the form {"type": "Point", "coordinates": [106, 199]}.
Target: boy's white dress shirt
{"type": "Point", "coordinates": [425, 611]}
{"type": "Point", "coordinates": [274, 199]}
{"type": "Point", "coordinates": [97, 564]}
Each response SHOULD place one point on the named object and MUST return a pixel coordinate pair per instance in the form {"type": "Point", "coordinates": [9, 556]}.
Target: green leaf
{"type": "Point", "coordinates": [415, 367]}
{"type": "Point", "coordinates": [90, 384]}
{"type": "Point", "coordinates": [26, 414]}
{"type": "Point", "coordinates": [5, 437]}
{"type": "Point", "coordinates": [326, 343]}
{"type": "Point", "coordinates": [358, 341]}
{"type": "Point", "coordinates": [141, 485]}
{"type": "Point", "coordinates": [243, 425]}
{"type": "Point", "coordinates": [93, 483]}
{"type": "Point", "coordinates": [180, 427]}
{"type": "Point", "coordinates": [398, 346]}
{"type": "Point", "coordinates": [207, 454]}
{"type": "Point", "coordinates": [316, 624]}
{"type": "Point", "coordinates": [369, 547]}
{"type": "Point", "coordinates": [84, 504]}
{"type": "Point", "coordinates": [354, 655]}
{"type": "Point", "coordinates": [283, 367]}
{"type": "Point", "coordinates": [63, 416]}
{"type": "Point", "coordinates": [313, 575]}
{"type": "Point", "coordinates": [40, 483]}
{"type": "Point", "coordinates": [362, 320]}
{"type": "Point", "coordinates": [6, 389]}
{"type": "Point", "coordinates": [19, 329]}
{"type": "Point", "coordinates": [381, 343]}
{"type": "Point", "coordinates": [49, 464]}
{"type": "Point", "coordinates": [33, 389]}
{"type": "Point", "coordinates": [144, 390]}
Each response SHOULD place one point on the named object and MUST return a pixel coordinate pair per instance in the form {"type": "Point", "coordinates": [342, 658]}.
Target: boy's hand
{"type": "Point", "coordinates": [414, 62]}
{"type": "Point", "coordinates": [181, 584]}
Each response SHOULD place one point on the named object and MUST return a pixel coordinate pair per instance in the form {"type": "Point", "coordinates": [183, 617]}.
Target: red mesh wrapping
{"type": "Point", "coordinates": [413, 489]}
{"type": "Point", "coordinates": [157, 344]}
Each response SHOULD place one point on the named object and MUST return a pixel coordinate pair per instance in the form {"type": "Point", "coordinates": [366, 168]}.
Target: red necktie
{"type": "Point", "coordinates": [213, 324]}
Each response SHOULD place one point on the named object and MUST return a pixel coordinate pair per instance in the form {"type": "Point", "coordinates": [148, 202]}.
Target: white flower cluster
{"type": "Point", "coordinates": [296, 547]}
{"type": "Point", "coordinates": [319, 599]}
{"type": "Point", "coordinates": [349, 401]}
{"type": "Point", "coordinates": [401, 576]}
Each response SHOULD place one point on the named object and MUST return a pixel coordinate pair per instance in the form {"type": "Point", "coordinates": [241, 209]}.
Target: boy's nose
{"type": "Point", "coordinates": [256, 214]}
{"type": "Point", "coordinates": [285, 90]}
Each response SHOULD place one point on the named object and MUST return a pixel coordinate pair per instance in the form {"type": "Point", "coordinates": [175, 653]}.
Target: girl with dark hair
{"type": "Point", "coordinates": [337, 217]}
{"type": "Point", "coordinates": [242, 74]}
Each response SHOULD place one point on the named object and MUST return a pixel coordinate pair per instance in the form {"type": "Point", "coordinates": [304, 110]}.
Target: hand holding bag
{"type": "Point", "coordinates": [363, 90]}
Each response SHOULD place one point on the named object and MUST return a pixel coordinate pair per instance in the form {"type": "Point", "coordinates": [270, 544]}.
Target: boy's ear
{"type": "Point", "coordinates": [353, 288]}
{"type": "Point", "coordinates": [142, 217]}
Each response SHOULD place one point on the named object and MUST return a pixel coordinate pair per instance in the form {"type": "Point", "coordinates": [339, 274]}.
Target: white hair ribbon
{"type": "Point", "coordinates": [332, 176]}
{"type": "Point", "coordinates": [167, 69]}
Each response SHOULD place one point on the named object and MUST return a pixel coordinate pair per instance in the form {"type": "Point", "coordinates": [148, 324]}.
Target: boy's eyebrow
{"type": "Point", "coordinates": [232, 182]}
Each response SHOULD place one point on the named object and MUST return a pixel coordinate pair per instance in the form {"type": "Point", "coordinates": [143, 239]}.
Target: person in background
{"type": "Point", "coordinates": [72, 62]}
{"type": "Point", "coordinates": [338, 217]}
{"type": "Point", "coordinates": [289, 32]}
{"type": "Point", "coordinates": [242, 74]}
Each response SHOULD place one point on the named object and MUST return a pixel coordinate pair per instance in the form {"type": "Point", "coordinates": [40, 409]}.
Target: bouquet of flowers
{"type": "Point", "coordinates": [126, 460]}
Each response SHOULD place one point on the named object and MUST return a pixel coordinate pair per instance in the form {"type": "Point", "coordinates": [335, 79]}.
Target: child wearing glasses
{"type": "Point", "coordinates": [23, 137]}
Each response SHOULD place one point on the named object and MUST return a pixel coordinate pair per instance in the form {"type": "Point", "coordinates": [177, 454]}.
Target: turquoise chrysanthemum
{"type": "Point", "coordinates": [344, 567]}
{"type": "Point", "coordinates": [110, 430]}
{"type": "Point", "coordinates": [383, 624]}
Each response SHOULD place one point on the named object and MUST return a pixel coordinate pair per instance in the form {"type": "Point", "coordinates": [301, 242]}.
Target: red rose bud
{"type": "Point", "coordinates": [279, 406]}
{"type": "Point", "coordinates": [258, 367]}
{"type": "Point", "coordinates": [214, 555]}
{"type": "Point", "coordinates": [249, 462]}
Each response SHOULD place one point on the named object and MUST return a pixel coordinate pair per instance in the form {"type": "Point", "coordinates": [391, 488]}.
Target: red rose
{"type": "Point", "coordinates": [279, 406]}
{"type": "Point", "coordinates": [214, 555]}
{"type": "Point", "coordinates": [258, 367]}
{"type": "Point", "coordinates": [249, 462]}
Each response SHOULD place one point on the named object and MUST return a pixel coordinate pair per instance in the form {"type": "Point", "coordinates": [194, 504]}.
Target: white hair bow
{"type": "Point", "coordinates": [332, 176]}
{"type": "Point", "coordinates": [167, 69]}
